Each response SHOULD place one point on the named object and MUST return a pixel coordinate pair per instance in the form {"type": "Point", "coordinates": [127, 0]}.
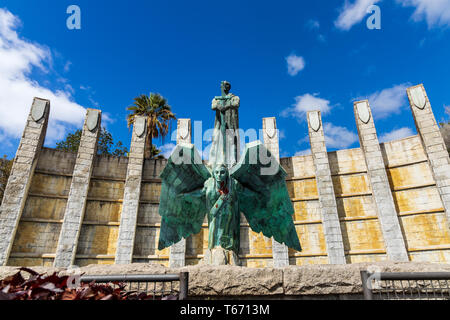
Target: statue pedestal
{"type": "Point", "coordinates": [219, 257]}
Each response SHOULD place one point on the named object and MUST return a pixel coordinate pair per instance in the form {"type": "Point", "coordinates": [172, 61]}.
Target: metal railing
{"type": "Point", "coordinates": [159, 286]}
{"type": "Point", "coordinates": [406, 285]}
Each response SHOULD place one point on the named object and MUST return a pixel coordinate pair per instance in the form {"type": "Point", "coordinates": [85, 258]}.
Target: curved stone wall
{"type": "Point", "coordinates": [415, 175]}
{"type": "Point", "coordinates": [420, 211]}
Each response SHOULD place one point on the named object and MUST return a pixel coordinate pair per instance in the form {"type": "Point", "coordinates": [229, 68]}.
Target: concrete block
{"type": "Point", "coordinates": [132, 191]}
{"type": "Point", "coordinates": [271, 141]}
{"type": "Point", "coordinates": [330, 218]}
{"type": "Point", "coordinates": [16, 190]}
{"type": "Point", "coordinates": [433, 142]}
{"type": "Point", "coordinates": [381, 192]}
{"type": "Point", "coordinates": [76, 202]}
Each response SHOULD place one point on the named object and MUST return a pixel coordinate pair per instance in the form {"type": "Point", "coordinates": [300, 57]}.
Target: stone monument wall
{"type": "Point", "coordinates": [391, 203]}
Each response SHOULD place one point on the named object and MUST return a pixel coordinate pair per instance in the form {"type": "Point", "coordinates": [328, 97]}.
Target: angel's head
{"type": "Point", "coordinates": [220, 173]}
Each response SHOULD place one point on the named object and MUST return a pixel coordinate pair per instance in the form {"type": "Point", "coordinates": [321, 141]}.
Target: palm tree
{"type": "Point", "coordinates": [155, 152]}
{"type": "Point", "coordinates": [158, 113]}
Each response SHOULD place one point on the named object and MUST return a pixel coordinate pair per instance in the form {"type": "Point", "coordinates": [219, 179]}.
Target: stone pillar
{"type": "Point", "coordinates": [22, 171]}
{"type": "Point", "coordinates": [327, 198]}
{"type": "Point", "coordinates": [178, 250]}
{"type": "Point", "coordinates": [132, 193]}
{"type": "Point", "coordinates": [79, 187]}
{"type": "Point", "coordinates": [280, 251]}
{"type": "Point", "coordinates": [433, 143]}
{"type": "Point", "coordinates": [381, 191]}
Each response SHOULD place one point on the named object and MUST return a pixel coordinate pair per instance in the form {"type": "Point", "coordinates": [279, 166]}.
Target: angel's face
{"type": "Point", "coordinates": [220, 174]}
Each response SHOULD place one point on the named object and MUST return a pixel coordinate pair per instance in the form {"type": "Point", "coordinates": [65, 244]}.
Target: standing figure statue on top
{"type": "Point", "coordinates": [226, 128]}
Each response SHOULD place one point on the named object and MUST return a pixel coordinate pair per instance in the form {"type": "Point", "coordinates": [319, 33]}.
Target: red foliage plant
{"type": "Point", "coordinates": [54, 287]}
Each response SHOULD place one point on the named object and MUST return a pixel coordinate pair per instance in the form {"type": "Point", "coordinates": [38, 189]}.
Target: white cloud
{"type": "Point", "coordinates": [167, 149]}
{"type": "Point", "coordinates": [18, 58]}
{"type": "Point", "coordinates": [305, 103]}
{"type": "Point", "coordinates": [322, 38]}
{"type": "Point", "coordinates": [396, 134]}
{"type": "Point", "coordinates": [303, 153]}
{"type": "Point", "coordinates": [388, 101]}
{"type": "Point", "coordinates": [313, 24]}
{"type": "Point", "coordinates": [295, 64]}
{"type": "Point", "coordinates": [353, 13]}
{"type": "Point", "coordinates": [447, 110]}
{"type": "Point", "coordinates": [67, 66]}
{"type": "Point", "coordinates": [281, 134]}
{"type": "Point", "coordinates": [435, 12]}
{"type": "Point", "coordinates": [338, 137]}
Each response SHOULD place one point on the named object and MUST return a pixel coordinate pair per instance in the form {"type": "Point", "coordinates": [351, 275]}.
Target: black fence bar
{"type": "Point", "coordinates": [182, 278]}
{"type": "Point", "coordinates": [406, 285]}
{"type": "Point", "coordinates": [414, 276]}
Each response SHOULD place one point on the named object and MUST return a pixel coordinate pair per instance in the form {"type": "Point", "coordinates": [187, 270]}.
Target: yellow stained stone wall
{"type": "Point", "coordinates": [38, 230]}
{"type": "Point", "coordinates": [415, 195]}
{"type": "Point", "coordinates": [100, 228]}
{"type": "Point", "coordinates": [361, 231]}
{"type": "Point", "coordinates": [417, 200]}
{"type": "Point", "coordinates": [302, 188]}
{"type": "Point", "coordinates": [149, 221]}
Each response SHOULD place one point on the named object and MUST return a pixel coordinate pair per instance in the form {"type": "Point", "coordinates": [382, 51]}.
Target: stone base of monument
{"type": "Point", "coordinates": [220, 257]}
{"type": "Point", "coordinates": [231, 282]}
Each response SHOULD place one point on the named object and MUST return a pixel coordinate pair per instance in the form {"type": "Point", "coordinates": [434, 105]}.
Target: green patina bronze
{"type": "Point", "coordinates": [254, 186]}
{"type": "Point", "coordinates": [226, 124]}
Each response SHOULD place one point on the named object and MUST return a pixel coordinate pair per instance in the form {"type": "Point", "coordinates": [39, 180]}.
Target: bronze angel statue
{"type": "Point", "coordinates": [192, 190]}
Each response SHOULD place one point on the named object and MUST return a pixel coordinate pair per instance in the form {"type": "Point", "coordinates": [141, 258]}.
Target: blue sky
{"type": "Point", "coordinates": [282, 58]}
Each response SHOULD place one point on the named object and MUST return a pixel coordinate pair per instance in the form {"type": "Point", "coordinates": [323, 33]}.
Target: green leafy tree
{"type": "Point", "coordinates": [71, 143]}
{"type": "Point", "coordinates": [155, 152]}
{"type": "Point", "coordinates": [5, 171]}
{"type": "Point", "coordinates": [105, 145]}
{"type": "Point", "coordinates": [159, 115]}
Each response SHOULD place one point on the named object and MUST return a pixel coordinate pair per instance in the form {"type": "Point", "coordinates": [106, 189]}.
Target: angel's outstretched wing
{"type": "Point", "coordinates": [182, 204]}
{"type": "Point", "coordinates": [263, 195]}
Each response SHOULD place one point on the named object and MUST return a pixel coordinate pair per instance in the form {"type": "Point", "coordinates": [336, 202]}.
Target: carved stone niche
{"type": "Point", "coordinates": [139, 126]}
{"type": "Point", "coordinates": [418, 97]}
{"type": "Point", "coordinates": [38, 109]}
{"type": "Point", "coordinates": [92, 119]}
{"type": "Point", "coordinates": [183, 127]}
{"type": "Point", "coordinates": [314, 120]}
{"type": "Point", "coordinates": [363, 111]}
{"type": "Point", "coordinates": [270, 127]}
